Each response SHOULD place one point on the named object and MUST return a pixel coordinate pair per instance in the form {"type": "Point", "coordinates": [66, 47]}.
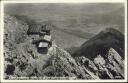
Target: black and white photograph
{"type": "Point", "coordinates": [64, 41]}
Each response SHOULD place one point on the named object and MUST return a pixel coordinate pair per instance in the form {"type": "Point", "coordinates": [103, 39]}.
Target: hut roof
{"type": "Point", "coordinates": [47, 37]}
{"type": "Point", "coordinates": [43, 44]}
{"type": "Point", "coordinates": [34, 29]}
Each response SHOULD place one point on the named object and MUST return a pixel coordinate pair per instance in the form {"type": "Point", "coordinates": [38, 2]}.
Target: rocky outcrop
{"type": "Point", "coordinates": [105, 52]}
{"type": "Point", "coordinates": [110, 67]}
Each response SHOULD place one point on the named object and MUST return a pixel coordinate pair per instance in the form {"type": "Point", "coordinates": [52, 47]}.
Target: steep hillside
{"type": "Point", "coordinates": [101, 43]}
{"type": "Point", "coordinates": [103, 54]}
{"type": "Point", "coordinates": [101, 57]}
{"type": "Point", "coordinates": [21, 58]}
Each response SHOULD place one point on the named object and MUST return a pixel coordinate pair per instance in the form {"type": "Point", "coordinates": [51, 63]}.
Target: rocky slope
{"type": "Point", "coordinates": [103, 54]}
{"type": "Point", "coordinates": [21, 58]}
{"type": "Point", "coordinates": [110, 67]}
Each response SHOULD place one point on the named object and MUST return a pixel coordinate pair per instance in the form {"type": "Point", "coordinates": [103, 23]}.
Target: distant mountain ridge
{"type": "Point", "coordinates": [61, 9]}
{"type": "Point", "coordinates": [101, 43]}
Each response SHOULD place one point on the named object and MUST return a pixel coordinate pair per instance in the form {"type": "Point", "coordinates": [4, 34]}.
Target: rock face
{"type": "Point", "coordinates": [99, 58]}
{"type": "Point", "coordinates": [110, 67]}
